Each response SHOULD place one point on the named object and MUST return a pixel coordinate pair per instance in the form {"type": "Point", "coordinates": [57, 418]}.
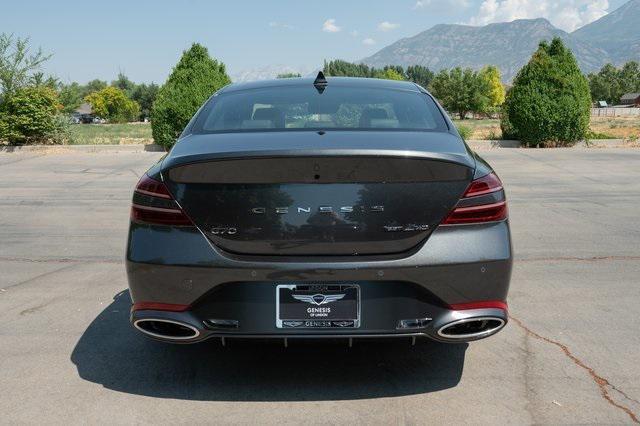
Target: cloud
{"type": "Point", "coordinates": [567, 15]}
{"type": "Point", "coordinates": [387, 26]}
{"type": "Point", "coordinates": [354, 33]}
{"type": "Point", "coordinates": [420, 4]}
{"type": "Point", "coordinates": [330, 26]}
{"type": "Point", "coordinates": [368, 41]}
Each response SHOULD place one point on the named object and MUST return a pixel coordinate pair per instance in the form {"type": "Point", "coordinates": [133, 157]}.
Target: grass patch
{"type": "Point", "coordinates": [616, 127]}
{"type": "Point", "coordinates": [486, 129]}
{"type": "Point", "coordinates": [599, 135]}
{"type": "Point", "coordinates": [481, 129]}
{"type": "Point", "coordinates": [111, 134]}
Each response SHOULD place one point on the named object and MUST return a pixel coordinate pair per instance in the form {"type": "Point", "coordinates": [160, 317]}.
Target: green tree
{"type": "Point", "coordinates": [40, 79]}
{"type": "Point", "coordinates": [420, 75]}
{"type": "Point", "coordinates": [549, 101]}
{"type": "Point", "coordinates": [71, 97]}
{"type": "Point", "coordinates": [610, 83]}
{"type": "Point", "coordinates": [93, 86]}
{"type": "Point", "coordinates": [492, 83]}
{"type": "Point", "coordinates": [342, 68]}
{"type": "Point", "coordinates": [397, 70]}
{"type": "Point", "coordinates": [17, 63]}
{"type": "Point", "coordinates": [460, 91]}
{"type": "Point", "coordinates": [389, 74]}
{"type": "Point", "coordinates": [145, 96]}
{"type": "Point", "coordinates": [193, 80]}
{"type": "Point", "coordinates": [630, 77]}
{"type": "Point", "coordinates": [606, 85]}
{"type": "Point", "coordinates": [289, 75]}
{"type": "Point", "coordinates": [123, 83]}
{"type": "Point", "coordinates": [29, 115]}
{"type": "Point", "coordinates": [113, 104]}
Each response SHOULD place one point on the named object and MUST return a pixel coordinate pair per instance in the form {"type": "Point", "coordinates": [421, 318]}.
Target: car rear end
{"type": "Point", "coordinates": [288, 211]}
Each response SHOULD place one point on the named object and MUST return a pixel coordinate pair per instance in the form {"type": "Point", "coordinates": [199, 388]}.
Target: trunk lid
{"type": "Point", "coordinates": [303, 193]}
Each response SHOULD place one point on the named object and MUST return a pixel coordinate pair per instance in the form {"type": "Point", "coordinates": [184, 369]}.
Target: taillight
{"type": "Point", "coordinates": [483, 201]}
{"type": "Point", "coordinates": [484, 185]}
{"type": "Point", "coordinates": [153, 203]}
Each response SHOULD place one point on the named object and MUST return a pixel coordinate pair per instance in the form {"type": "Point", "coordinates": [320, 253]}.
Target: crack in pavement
{"type": "Point", "coordinates": [600, 381]}
{"type": "Point", "coordinates": [36, 308]}
{"type": "Point", "coordinates": [37, 277]}
{"type": "Point", "coordinates": [528, 388]}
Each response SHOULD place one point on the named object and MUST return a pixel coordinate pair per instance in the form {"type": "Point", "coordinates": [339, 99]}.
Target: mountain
{"type": "Point", "coordinates": [618, 33]}
{"type": "Point", "coordinates": [509, 45]}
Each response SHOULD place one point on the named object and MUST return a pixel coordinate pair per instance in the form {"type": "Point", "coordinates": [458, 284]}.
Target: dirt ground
{"type": "Point", "coordinates": [602, 128]}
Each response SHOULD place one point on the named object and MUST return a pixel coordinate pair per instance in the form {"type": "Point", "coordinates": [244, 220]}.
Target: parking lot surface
{"type": "Point", "coordinates": [570, 353]}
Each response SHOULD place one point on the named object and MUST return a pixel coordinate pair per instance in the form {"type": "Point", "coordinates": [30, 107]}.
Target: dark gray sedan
{"type": "Point", "coordinates": [334, 207]}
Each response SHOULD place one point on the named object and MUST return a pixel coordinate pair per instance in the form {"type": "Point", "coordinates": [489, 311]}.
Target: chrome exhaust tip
{"type": "Point", "coordinates": [472, 328]}
{"type": "Point", "coordinates": [166, 329]}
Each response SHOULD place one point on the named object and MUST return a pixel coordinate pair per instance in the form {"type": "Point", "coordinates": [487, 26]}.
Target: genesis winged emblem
{"type": "Point", "coordinates": [318, 299]}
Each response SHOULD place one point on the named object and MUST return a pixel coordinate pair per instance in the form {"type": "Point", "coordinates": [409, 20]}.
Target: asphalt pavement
{"type": "Point", "coordinates": [569, 355]}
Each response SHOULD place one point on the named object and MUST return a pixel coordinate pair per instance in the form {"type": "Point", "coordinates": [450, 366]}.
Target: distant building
{"type": "Point", "coordinates": [630, 99]}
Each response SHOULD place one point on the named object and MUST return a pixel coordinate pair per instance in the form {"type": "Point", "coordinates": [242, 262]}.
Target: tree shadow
{"type": "Point", "coordinates": [113, 354]}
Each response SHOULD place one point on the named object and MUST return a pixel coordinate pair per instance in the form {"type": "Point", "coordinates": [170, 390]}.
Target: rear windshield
{"type": "Point", "coordinates": [293, 108]}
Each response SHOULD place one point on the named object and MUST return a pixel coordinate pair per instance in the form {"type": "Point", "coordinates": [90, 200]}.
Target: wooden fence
{"type": "Point", "coordinates": [615, 112]}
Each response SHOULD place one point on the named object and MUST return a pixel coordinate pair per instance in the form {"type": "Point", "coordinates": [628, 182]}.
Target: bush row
{"type": "Point", "coordinates": [548, 103]}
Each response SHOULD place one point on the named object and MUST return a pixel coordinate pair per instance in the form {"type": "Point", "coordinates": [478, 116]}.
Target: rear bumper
{"type": "Point", "coordinates": [432, 329]}
{"type": "Point", "coordinates": [458, 265]}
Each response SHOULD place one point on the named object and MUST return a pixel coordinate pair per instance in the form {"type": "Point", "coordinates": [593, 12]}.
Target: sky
{"type": "Point", "coordinates": [145, 38]}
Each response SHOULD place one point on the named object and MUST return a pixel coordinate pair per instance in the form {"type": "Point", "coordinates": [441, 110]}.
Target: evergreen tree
{"type": "Point", "coordinates": [420, 75]}
{"type": "Point", "coordinates": [193, 80]}
{"type": "Point", "coordinates": [549, 101]}
{"type": "Point", "coordinates": [347, 69]}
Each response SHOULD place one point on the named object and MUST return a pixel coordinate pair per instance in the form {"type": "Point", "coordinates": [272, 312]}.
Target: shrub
{"type": "Point", "coordinates": [508, 131]}
{"type": "Point", "coordinates": [193, 80]}
{"type": "Point", "coordinates": [549, 102]}
{"type": "Point", "coordinates": [18, 62]}
{"type": "Point", "coordinates": [30, 115]}
{"type": "Point", "coordinates": [464, 131]}
{"type": "Point", "coordinates": [113, 104]}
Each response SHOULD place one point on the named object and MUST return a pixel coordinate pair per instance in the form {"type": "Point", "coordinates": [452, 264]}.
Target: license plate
{"type": "Point", "coordinates": [317, 306]}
